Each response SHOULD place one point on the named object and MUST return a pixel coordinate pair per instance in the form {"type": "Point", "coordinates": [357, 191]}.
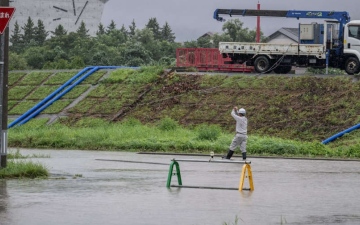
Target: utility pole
{"type": "Point", "coordinates": [4, 69]}
{"type": "Point", "coordinates": [258, 25]}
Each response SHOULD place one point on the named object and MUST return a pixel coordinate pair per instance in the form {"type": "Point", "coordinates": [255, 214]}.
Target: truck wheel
{"type": "Point", "coordinates": [282, 69]}
{"type": "Point", "coordinates": [262, 64]}
{"type": "Point", "coordinates": [352, 66]}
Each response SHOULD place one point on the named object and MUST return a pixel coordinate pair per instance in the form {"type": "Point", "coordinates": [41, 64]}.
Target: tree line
{"type": "Point", "coordinates": [33, 47]}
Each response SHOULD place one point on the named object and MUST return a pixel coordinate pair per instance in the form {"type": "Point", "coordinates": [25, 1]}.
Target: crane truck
{"type": "Point", "coordinates": [334, 43]}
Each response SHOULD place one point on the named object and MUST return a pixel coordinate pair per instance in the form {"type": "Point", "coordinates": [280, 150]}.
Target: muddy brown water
{"type": "Point", "coordinates": [112, 192]}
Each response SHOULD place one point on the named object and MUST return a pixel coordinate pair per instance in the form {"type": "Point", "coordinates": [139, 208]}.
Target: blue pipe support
{"type": "Point", "coordinates": [42, 102]}
{"type": "Point", "coordinates": [43, 107]}
{"type": "Point", "coordinates": [332, 138]}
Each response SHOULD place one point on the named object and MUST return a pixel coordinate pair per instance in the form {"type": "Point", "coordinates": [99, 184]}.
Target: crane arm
{"type": "Point", "coordinates": [343, 17]}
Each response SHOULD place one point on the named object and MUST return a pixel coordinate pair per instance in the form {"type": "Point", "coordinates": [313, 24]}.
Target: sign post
{"type": "Point", "coordinates": [6, 13]}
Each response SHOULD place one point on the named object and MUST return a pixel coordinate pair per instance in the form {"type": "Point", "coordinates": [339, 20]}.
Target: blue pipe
{"type": "Point", "coordinates": [332, 138]}
{"type": "Point", "coordinates": [42, 102]}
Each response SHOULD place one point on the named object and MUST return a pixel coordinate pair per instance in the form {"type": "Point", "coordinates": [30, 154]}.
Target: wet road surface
{"type": "Point", "coordinates": [94, 192]}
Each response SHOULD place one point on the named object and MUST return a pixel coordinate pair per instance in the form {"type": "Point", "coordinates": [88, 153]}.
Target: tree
{"type": "Point", "coordinates": [124, 31]}
{"type": "Point", "coordinates": [153, 25]}
{"type": "Point", "coordinates": [167, 34]}
{"type": "Point", "coordinates": [132, 28]}
{"type": "Point", "coordinates": [76, 62]}
{"type": "Point", "coordinates": [205, 42]}
{"type": "Point", "coordinates": [16, 41]}
{"type": "Point", "coordinates": [82, 32]}
{"type": "Point", "coordinates": [190, 44]}
{"type": "Point", "coordinates": [234, 28]}
{"type": "Point", "coordinates": [16, 62]}
{"type": "Point", "coordinates": [135, 54]}
{"type": "Point", "coordinates": [111, 27]}
{"type": "Point", "coordinates": [145, 36]}
{"type": "Point", "coordinates": [216, 38]}
{"type": "Point", "coordinates": [29, 30]}
{"type": "Point", "coordinates": [40, 34]}
{"type": "Point", "coordinates": [168, 49]}
{"type": "Point", "coordinates": [101, 30]}
{"type": "Point", "coordinates": [59, 31]}
{"type": "Point", "coordinates": [35, 57]}
{"type": "Point", "coordinates": [115, 38]}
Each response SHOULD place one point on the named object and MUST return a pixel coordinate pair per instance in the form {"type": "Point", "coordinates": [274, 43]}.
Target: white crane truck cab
{"type": "Point", "coordinates": [352, 47]}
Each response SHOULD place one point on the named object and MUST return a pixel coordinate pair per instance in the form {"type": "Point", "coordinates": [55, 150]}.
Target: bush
{"type": "Point", "coordinates": [17, 62]}
{"type": "Point", "coordinates": [167, 124]}
{"type": "Point", "coordinates": [208, 132]}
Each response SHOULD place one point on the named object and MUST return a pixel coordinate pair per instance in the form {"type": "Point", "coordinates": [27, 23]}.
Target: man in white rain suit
{"type": "Point", "coordinates": [241, 133]}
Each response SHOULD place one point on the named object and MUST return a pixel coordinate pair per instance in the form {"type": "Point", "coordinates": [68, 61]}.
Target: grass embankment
{"type": "Point", "coordinates": [306, 109]}
{"type": "Point", "coordinates": [165, 136]}
{"type": "Point", "coordinates": [18, 167]}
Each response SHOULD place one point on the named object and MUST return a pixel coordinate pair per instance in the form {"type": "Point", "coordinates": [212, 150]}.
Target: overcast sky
{"type": "Point", "coordinates": [190, 19]}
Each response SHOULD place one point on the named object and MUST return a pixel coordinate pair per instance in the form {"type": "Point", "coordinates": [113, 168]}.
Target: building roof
{"type": "Point", "coordinates": [291, 33]}
{"type": "Point", "coordinates": [207, 34]}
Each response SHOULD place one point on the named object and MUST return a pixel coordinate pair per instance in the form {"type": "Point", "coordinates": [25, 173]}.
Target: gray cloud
{"type": "Point", "coordinates": [189, 19]}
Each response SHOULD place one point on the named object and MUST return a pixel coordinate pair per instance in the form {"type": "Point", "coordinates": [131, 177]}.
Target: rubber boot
{"type": "Point", "coordinates": [229, 154]}
{"type": "Point", "coordinates": [244, 155]}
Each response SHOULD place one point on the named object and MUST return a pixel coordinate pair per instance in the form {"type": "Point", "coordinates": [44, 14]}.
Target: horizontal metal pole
{"type": "Point", "coordinates": [128, 161]}
{"type": "Point", "coordinates": [202, 187]}
{"type": "Point", "coordinates": [212, 161]}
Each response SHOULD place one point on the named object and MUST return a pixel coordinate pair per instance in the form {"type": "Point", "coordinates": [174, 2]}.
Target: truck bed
{"type": "Point", "coordinates": [317, 50]}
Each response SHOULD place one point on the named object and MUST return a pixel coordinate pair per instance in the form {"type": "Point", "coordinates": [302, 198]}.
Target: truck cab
{"type": "Point", "coordinates": [352, 47]}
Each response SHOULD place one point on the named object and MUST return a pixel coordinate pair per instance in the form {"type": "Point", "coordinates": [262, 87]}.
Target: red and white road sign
{"type": "Point", "coordinates": [5, 15]}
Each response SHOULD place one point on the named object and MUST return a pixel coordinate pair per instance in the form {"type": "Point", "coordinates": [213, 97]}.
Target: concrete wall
{"type": "Point", "coordinates": [52, 17]}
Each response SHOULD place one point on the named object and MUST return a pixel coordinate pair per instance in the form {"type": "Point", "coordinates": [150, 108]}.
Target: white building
{"type": "Point", "coordinates": [284, 36]}
{"type": "Point", "coordinates": [69, 13]}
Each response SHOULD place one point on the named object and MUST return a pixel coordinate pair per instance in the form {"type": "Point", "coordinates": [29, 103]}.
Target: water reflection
{"type": "Point", "coordinates": [117, 192]}
{"type": "Point", "coordinates": [3, 197]}
{"type": "Point", "coordinates": [5, 218]}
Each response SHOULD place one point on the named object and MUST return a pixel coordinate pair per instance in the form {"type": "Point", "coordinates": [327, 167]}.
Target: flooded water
{"type": "Point", "coordinates": [93, 192]}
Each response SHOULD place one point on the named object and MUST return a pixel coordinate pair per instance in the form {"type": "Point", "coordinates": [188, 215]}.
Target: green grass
{"type": "Point", "coordinates": [41, 92]}
{"type": "Point", "coordinates": [20, 92]}
{"type": "Point", "coordinates": [131, 135]}
{"type": "Point", "coordinates": [57, 106]}
{"type": "Point", "coordinates": [14, 77]}
{"type": "Point", "coordinates": [34, 78]}
{"type": "Point", "coordinates": [83, 106]}
{"type": "Point", "coordinates": [22, 107]}
{"type": "Point", "coordinates": [108, 107]}
{"type": "Point", "coordinates": [16, 154]}
{"type": "Point", "coordinates": [94, 78]}
{"type": "Point", "coordinates": [11, 104]}
{"type": "Point", "coordinates": [23, 169]}
{"type": "Point", "coordinates": [60, 78]}
{"type": "Point", "coordinates": [76, 91]}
